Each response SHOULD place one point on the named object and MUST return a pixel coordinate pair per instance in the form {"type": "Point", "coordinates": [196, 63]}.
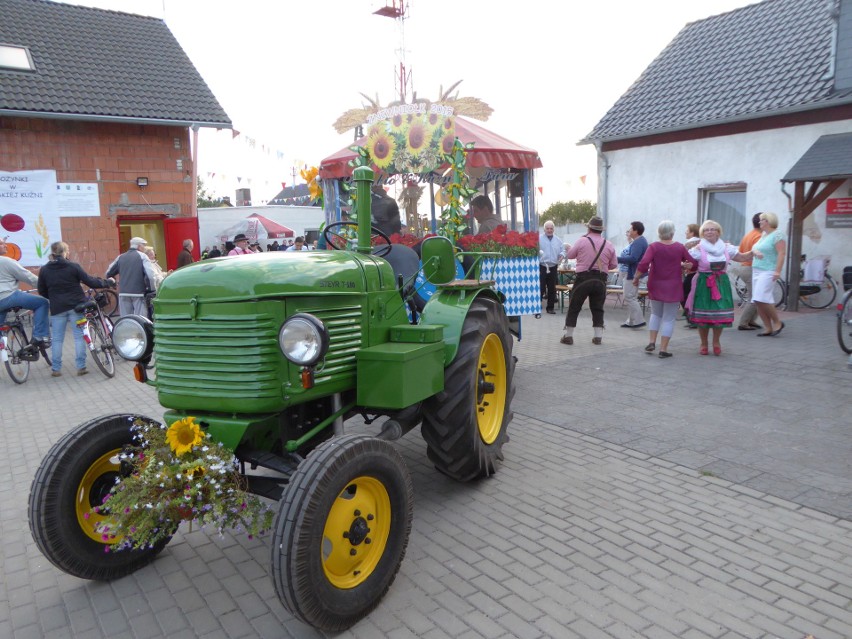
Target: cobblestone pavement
{"type": "Point", "coordinates": [628, 506]}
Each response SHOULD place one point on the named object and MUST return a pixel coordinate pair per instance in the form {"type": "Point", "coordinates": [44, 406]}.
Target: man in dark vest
{"type": "Point", "coordinates": [134, 272]}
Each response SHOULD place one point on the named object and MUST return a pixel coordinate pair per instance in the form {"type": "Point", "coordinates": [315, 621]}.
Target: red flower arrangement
{"type": "Point", "coordinates": [500, 240]}
{"type": "Point", "coordinates": [408, 239]}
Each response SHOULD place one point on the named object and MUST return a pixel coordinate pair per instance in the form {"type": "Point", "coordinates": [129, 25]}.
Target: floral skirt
{"type": "Point", "coordinates": [706, 311]}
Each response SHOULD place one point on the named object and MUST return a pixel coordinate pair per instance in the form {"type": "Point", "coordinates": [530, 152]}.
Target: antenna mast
{"type": "Point", "coordinates": [398, 10]}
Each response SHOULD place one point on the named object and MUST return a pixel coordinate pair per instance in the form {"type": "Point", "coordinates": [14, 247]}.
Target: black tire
{"type": "Point", "coordinates": [824, 297]}
{"type": "Point", "coordinates": [466, 424]}
{"type": "Point", "coordinates": [82, 463]}
{"type": "Point", "coordinates": [17, 367]}
{"type": "Point", "coordinates": [110, 309]}
{"type": "Point", "coordinates": [844, 323]}
{"type": "Point", "coordinates": [101, 351]}
{"type": "Point", "coordinates": [356, 490]}
{"type": "Point", "coordinates": [45, 353]}
{"type": "Point", "coordinates": [779, 293]}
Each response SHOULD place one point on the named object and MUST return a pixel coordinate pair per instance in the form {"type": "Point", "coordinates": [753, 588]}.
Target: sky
{"type": "Point", "coordinates": [285, 71]}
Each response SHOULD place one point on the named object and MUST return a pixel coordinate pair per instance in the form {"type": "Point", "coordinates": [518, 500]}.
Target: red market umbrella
{"type": "Point", "coordinates": [273, 229]}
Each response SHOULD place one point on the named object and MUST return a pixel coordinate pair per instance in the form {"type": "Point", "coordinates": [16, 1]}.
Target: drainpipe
{"type": "Point", "coordinates": [788, 262]}
{"type": "Point", "coordinates": [603, 188]}
{"type": "Point", "coordinates": [195, 173]}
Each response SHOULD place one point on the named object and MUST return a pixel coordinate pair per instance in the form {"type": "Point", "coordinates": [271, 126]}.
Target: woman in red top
{"type": "Point", "coordinates": [664, 262]}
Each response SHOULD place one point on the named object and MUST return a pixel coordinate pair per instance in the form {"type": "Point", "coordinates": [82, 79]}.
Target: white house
{"type": "Point", "coordinates": [715, 125]}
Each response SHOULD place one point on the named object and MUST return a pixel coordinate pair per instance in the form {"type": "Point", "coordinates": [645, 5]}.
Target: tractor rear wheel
{"type": "Point", "coordinates": [73, 478]}
{"type": "Point", "coordinates": [466, 424]}
{"type": "Point", "coordinates": [341, 531]}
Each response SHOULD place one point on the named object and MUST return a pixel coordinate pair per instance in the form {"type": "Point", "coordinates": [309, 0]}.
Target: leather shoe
{"type": "Point", "coordinates": [664, 354]}
{"type": "Point", "coordinates": [597, 340]}
{"type": "Point", "coordinates": [754, 325]}
{"type": "Point", "coordinates": [550, 311]}
{"type": "Point", "coordinates": [633, 325]}
{"type": "Point", "coordinates": [56, 373]}
{"type": "Point", "coordinates": [776, 332]}
{"type": "Point", "coordinates": [82, 371]}
{"type": "Point", "coordinates": [746, 328]}
{"type": "Point", "coordinates": [566, 340]}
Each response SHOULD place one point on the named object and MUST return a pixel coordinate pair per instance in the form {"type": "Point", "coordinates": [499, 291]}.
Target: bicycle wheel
{"type": "Point", "coordinates": [45, 353]}
{"type": "Point", "coordinates": [779, 293]}
{"type": "Point", "coordinates": [17, 367]}
{"type": "Point", "coordinates": [740, 290]}
{"type": "Point", "coordinates": [844, 322]}
{"type": "Point", "coordinates": [824, 297]}
{"type": "Point", "coordinates": [101, 350]}
{"type": "Point", "coordinates": [110, 309]}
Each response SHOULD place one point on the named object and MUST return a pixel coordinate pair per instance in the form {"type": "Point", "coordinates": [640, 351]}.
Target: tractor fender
{"type": "Point", "coordinates": [448, 307]}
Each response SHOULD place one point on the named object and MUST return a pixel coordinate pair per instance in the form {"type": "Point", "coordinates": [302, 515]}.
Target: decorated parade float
{"type": "Point", "coordinates": [265, 364]}
{"type": "Point", "coordinates": [426, 147]}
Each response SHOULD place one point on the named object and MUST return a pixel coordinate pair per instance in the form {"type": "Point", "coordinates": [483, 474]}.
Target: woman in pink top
{"type": "Point", "coordinates": [664, 262]}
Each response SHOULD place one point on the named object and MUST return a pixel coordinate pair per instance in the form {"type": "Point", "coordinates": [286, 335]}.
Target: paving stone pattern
{"type": "Point", "coordinates": [627, 507]}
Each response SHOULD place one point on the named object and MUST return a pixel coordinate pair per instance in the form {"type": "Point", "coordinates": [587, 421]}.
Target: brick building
{"type": "Point", "coordinates": [107, 99]}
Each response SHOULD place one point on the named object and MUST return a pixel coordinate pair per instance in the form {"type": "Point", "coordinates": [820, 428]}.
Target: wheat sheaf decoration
{"type": "Point", "coordinates": [467, 106]}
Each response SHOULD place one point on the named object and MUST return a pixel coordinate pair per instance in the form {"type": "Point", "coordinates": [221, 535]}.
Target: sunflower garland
{"type": "Point", "coordinates": [176, 474]}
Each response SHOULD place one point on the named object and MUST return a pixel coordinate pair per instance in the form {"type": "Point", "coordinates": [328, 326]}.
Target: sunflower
{"type": "Point", "coordinates": [183, 435]}
{"type": "Point", "coordinates": [382, 148]}
{"type": "Point", "coordinates": [418, 137]}
{"type": "Point", "coordinates": [447, 143]}
{"type": "Point", "coordinates": [397, 122]}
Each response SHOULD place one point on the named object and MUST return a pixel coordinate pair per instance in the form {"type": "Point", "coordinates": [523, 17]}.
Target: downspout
{"type": "Point", "coordinates": [788, 262]}
{"type": "Point", "coordinates": [195, 172]}
{"type": "Point", "coordinates": [603, 186]}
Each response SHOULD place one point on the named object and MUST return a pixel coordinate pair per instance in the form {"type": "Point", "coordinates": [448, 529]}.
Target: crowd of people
{"type": "Point", "coordinates": [692, 276]}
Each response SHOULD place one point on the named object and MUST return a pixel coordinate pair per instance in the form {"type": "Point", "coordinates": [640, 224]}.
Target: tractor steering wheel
{"type": "Point", "coordinates": [336, 241]}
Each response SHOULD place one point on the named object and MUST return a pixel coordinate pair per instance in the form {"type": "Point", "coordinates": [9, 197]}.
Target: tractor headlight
{"type": "Point", "coordinates": [303, 339]}
{"type": "Point", "coordinates": [133, 337]}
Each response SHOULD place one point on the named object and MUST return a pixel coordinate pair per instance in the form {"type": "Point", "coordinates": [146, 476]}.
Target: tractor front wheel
{"type": "Point", "coordinates": [73, 479]}
{"type": "Point", "coordinates": [466, 424]}
{"type": "Point", "coordinates": [341, 531]}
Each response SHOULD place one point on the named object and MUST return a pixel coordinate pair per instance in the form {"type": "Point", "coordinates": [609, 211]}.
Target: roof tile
{"type": "Point", "coordinates": [102, 64]}
{"type": "Point", "coordinates": [767, 57]}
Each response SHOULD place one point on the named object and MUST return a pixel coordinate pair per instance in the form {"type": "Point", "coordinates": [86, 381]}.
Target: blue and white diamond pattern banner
{"type": "Point", "coordinates": [518, 279]}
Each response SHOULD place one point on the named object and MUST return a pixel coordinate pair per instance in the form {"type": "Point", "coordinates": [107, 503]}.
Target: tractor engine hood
{"type": "Point", "coordinates": [275, 274]}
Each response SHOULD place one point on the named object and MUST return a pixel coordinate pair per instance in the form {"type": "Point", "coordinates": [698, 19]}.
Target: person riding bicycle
{"type": "Point", "coordinates": [11, 275]}
{"type": "Point", "coordinates": [59, 282]}
{"type": "Point", "coordinates": [135, 274]}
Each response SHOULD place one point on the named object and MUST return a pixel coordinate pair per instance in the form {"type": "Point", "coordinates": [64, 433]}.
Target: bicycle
{"type": "Point", "coordinates": [844, 313]}
{"type": "Point", "coordinates": [107, 300]}
{"type": "Point", "coordinates": [812, 295]}
{"type": "Point", "coordinates": [16, 349]}
{"type": "Point", "coordinates": [97, 330]}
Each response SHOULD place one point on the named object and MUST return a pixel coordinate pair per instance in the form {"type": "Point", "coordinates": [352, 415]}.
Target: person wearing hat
{"type": "Point", "coordinates": [241, 245]}
{"type": "Point", "coordinates": [135, 278]}
{"type": "Point", "coordinates": [595, 256]}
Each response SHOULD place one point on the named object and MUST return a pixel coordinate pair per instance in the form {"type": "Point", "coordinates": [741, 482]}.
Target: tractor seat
{"type": "Point", "coordinates": [404, 261]}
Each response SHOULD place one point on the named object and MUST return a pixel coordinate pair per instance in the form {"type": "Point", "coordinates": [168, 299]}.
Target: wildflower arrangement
{"type": "Point", "coordinates": [178, 474]}
{"type": "Point", "coordinates": [500, 240]}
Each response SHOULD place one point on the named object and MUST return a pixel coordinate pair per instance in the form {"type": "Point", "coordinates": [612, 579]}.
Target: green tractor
{"type": "Point", "coordinates": [271, 354]}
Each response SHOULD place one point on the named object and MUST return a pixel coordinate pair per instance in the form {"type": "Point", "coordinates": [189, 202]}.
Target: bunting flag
{"type": "Point", "coordinates": [541, 190]}
{"type": "Point", "coordinates": [283, 185]}
{"type": "Point", "coordinates": [234, 133]}
{"type": "Point", "coordinates": [583, 179]}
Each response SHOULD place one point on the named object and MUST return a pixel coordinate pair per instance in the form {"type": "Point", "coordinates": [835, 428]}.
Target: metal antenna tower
{"type": "Point", "coordinates": [398, 10]}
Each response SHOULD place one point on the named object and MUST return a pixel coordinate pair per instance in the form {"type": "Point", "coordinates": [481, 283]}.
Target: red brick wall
{"type": "Point", "coordinates": [112, 155]}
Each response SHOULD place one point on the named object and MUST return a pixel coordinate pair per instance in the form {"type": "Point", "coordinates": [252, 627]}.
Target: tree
{"type": "Point", "coordinates": [569, 212]}
{"type": "Point", "coordinates": [204, 199]}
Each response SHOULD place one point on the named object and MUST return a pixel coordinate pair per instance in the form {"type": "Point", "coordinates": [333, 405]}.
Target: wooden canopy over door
{"type": "Point", "coordinates": [819, 172]}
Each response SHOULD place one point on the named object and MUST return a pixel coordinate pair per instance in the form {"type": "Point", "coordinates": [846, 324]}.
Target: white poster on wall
{"type": "Point", "coordinates": [28, 216]}
{"type": "Point", "coordinates": [77, 199]}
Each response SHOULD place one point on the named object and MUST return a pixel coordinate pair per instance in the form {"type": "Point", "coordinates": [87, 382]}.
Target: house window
{"type": "Point", "coordinates": [17, 58]}
{"type": "Point", "coordinates": [727, 206]}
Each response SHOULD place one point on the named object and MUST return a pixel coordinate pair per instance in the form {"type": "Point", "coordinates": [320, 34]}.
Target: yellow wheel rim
{"type": "Point", "coordinates": [96, 483]}
{"type": "Point", "coordinates": [490, 388]}
{"type": "Point", "coordinates": [356, 532]}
